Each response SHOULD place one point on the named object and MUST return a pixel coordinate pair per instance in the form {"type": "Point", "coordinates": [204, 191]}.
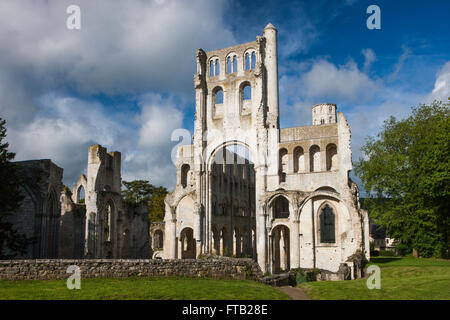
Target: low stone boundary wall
{"type": "Point", "coordinates": [230, 268]}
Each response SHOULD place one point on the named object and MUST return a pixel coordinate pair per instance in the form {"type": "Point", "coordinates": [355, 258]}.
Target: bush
{"type": "Point", "coordinates": [374, 253]}
{"type": "Point", "coordinates": [306, 276]}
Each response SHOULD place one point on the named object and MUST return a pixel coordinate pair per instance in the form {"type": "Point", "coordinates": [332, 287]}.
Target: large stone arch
{"type": "Point", "coordinates": [81, 183]}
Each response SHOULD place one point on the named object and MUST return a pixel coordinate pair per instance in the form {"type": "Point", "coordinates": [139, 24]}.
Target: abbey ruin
{"type": "Point", "coordinates": [247, 188]}
{"type": "Point", "coordinates": [91, 221]}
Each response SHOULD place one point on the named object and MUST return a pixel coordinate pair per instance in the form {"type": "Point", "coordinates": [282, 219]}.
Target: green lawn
{"type": "Point", "coordinates": [141, 288]}
{"type": "Point", "coordinates": [402, 278]}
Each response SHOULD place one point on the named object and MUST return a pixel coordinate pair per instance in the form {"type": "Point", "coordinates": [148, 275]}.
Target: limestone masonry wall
{"type": "Point", "coordinates": [56, 269]}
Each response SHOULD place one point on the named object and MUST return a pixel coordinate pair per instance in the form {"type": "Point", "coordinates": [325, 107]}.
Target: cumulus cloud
{"type": "Point", "coordinates": [54, 80]}
{"type": "Point", "coordinates": [62, 131]}
{"type": "Point", "coordinates": [123, 46]}
{"type": "Point", "coordinates": [323, 81]}
{"type": "Point", "coordinates": [441, 90]}
{"type": "Point", "coordinates": [159, 118]}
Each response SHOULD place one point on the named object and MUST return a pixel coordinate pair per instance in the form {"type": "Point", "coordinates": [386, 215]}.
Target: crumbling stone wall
{"type": "Point", "coordinates": [38, 215]}
{"type": "Point", "coordinates": [56, 269]}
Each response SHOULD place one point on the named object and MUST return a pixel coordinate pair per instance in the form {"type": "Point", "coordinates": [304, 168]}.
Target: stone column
{"type": "Point", "coordinates": [173, 238]}
{"type": "Point", "coordinates": [283, 257]}
{"type": "Point", "coordinates": [271, 63]}
{"type": "Point", "coordinates": [295, 247]}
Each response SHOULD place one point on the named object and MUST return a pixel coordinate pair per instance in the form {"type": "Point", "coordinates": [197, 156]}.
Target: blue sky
{"type": "Point", "coordinates": [125, 80]}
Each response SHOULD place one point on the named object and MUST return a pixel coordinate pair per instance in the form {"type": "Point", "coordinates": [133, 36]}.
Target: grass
{"type": "Point", "coordinates": [140, 288]}
{"type": "Point", "coordinates": [402, 278]}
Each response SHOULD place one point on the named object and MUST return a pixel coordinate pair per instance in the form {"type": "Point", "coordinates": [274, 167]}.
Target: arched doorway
{"type": "Point", "coordinates": [231, 205]}
{"type": "Point", "coordinates": [280, 249]}
{"type": "Point", "coordinates": [187, 243]}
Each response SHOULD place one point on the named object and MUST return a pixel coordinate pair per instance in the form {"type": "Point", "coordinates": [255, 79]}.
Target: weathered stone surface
{"type": "Point", "coordinates": [56, 268]}
{"type": "Point", "coordinates": [297, 208]}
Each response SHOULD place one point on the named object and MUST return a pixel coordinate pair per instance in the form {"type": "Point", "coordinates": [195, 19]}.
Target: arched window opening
{"type": "Point", "coordinates": [253, 59]}
{"type": "Point", "coordinates": [211, 68]}
{"type": "Point", "coordinates": [217, 71]}
{"type": "Point", "coordinates": [322, 121]}
{"type": "Point", "coordinates": [283, 164]}
{"type": "Point", "coordinates": [314, 158]}
{"type": "Point", "coordinates": [280, 249]}
{"type": "Point", "coordinates": [299, 160]}
{"type": "Point", "coordinates": [331, 157]}
{"type": "Point", "coordinates": [187, 243]}
{"type": "Point", "coordinates": [247, 92]}
{"type": "Point", "coordinates": [247, 61]}
{"type": "Point", "coordinates": [158, 240]}
{"type": "Point", "coordinates": [229, 65]}
{"type": "Point", "coordinates": [327, 225]}
{"type": "Point", "coordinates": [281, 208]}
{"type": "Point", "coordinates": [234, 64]}
{"type": "Point", "coordinates": [185, 175]}
{"type": "Point", "coordinates": [219, 96]}
{"type": "Point", "coordinates": [81, 195]}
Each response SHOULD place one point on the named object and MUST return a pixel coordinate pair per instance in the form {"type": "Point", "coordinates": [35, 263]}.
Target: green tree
{"type": "Point", "coordinates": [10, 199]}
{"type": "Point", "coordinates": [137, 191]}
{"type": "Point", "coordinates": [156, 206]}
{"type": "Point", "coordinates": [405, 172]}
{"type": "Point", "coordinates": [143, 191]}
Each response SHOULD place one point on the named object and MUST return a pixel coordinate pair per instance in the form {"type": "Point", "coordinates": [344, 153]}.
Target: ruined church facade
{"type": "Point", "coordinates": [91, 221]}
{"type": "Point", "coordinates": [248, 188]}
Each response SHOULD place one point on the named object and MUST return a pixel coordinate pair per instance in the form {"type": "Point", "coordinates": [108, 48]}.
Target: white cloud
{"type": "Point", "coordinates": [124, 47]}
{"type": "Point", "coordinates": [159, 118]}
{"type": "Point", "coordinates": [369, 58]}
{"type": "Point", "coordinates": [441, 90]}
{"type": "Point", "coordinates": [406, 53]}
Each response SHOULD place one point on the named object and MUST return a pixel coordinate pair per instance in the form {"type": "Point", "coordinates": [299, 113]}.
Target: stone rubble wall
{"type": "Point", "coordinates": [45, 269]}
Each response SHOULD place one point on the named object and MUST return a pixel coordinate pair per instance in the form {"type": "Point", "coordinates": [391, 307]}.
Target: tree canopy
{"type": "Point", "coordinates": [143, 191]}
{"type": "Point", "coordinates": [11, 241]}
{"type": "Point", "coordinates": [405, 172]}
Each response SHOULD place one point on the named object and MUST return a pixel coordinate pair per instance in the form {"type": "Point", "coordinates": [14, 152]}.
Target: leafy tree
{"type": "Point", "coordinates": [405, 173]}
{"type": "Point", "coordinates": [143, 191]}
{"type": "Point", "coordinates": [137, 191]}
{"type": "Point", "coordinates": [156, 206]}
{"type": "Point", "coordinates": [10, 200]}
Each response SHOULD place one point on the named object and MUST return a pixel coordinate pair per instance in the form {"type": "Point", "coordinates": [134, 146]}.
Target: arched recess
{"type": "Point", "coordinates": [245, 97]}
{"type": "Point", "coordinates": [185, 175]}
{"type": "Point", "coordinates": [332, 157]}
{"type": "Point", "coordinates": [217, 102]}
{"type": "Point", "coordinates": [50, 227]}
{"type": "Point", "coordinates": [327, 223]}
{"type": "Point", "coordinates": [299, 159]}
{"type": "Point", "coordinates": [187, 243]}
{"type": "Point", "coordinates": [314, 158]}
{"type": "Point", "coordinates": [282, 164]}
{"type": "Point", "coordinates": [279, 207]}
{"type": "Point", "coordinates": [280, 249]}
{"type": "Point", "coordinates": [232, 192]}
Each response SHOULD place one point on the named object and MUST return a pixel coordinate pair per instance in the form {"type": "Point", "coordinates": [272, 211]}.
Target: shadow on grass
{"type": "Point", "coordinates": [384, 259]}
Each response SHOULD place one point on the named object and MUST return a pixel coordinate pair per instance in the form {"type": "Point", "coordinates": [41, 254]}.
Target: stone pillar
{"type": "Point", "coordinates": [271, 63]}
{"type": "Point", "coordinates": [295, 247]}
{"type": "Point", "coordinates": [173, 239]}
{"type": "Point", "coordinates": [283, 264]}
